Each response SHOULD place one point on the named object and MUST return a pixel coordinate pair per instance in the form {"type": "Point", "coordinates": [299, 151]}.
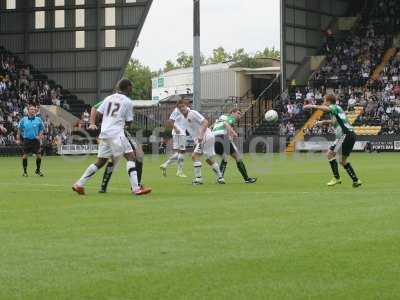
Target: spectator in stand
{"type": "Point", "coordinates": [17, 91]}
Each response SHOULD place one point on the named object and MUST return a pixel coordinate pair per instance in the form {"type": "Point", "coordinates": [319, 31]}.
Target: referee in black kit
{"type": "Point", "coordinates": [31, 130]}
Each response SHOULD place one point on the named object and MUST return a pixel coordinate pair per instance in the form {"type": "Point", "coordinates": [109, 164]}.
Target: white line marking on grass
{"type": "Point", "coordinates": [199, 190]}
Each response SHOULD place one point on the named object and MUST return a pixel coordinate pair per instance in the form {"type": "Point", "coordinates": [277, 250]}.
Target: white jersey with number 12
{"type": "Point", "coordinates": [116, 109]}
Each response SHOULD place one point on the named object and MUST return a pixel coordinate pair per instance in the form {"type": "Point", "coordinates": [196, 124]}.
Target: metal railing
{"type": "Point", "coordinates": [268, 99]}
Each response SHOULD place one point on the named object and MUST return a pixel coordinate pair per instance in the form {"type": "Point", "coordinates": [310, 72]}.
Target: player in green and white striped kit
{"type": "Point", "coordinates": [345, 139]}
{"type": "Point", "coordinates": [224, 132]}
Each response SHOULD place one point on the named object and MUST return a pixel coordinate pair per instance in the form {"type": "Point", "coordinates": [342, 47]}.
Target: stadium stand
{"type": "Point", "coordinates": [362, 69]}
{"type": "Point", "coordinates": [20, 87]}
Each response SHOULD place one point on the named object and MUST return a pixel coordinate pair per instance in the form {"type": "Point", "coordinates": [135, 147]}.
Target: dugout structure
{"type": "Point", "coordinates": [83, 45]}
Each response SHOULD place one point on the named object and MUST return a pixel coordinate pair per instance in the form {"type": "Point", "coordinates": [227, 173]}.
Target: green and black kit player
{"type": "Point", "coordinates": [224, 132]}
{"type": "Point", "coordinates": [345, 140]}
{"type": "Point", "coordinates": [112, 164]}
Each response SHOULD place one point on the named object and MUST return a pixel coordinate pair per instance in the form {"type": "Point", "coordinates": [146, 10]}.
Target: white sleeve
{"type": "Point", "coordinates": [197, 116]}
{"type": "Point", "coordinates": [129, 113]}
{"type": "Point", "coordinates": [102, 107]}
{"type": "Point", "coordinates": [174, 115]}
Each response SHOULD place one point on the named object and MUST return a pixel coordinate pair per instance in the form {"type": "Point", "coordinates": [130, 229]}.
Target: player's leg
{"type": "Point", "coordinates": [347, 148]}
{"type": "Point", "coordinates": [181, 148]}
{"type": "Point", "coordinates": [173, 158]}
{"type": "Point", "coordinates": [104, 154]}
{"type": "Point", "coordinates": [181, 160]}
{"type": "Point", "coordinates": [130, 151]}
{"type": "Point", "coordinates": [26, 150]}
{"type": "Point", "coordinates": [25, 164]}
{"type": "Point", "coordinates": [38, 158]}
{"type": "Point", "coordinates": [132, 171]}
{"type": "Point", "coordinates": [38, 165]}
{"type": "Point", "coordinates": [331, 155]}
{"type": "Point", "coordinates": [88, 174]}
{"type": "Point", "coordinates": [109, 169]}
{"type": "Point", "coordinates": [240, 164]}
{"type": "Point", "coordinates": [139, 155]}
{"type": "Point", "coordinates": [219, 150]}
{"type": "Point", "coordinates": [215, 167]}
{"type": "Point", "coordinates": [209, 152]}
{"type": "Point", "coordinates": [196, 159]}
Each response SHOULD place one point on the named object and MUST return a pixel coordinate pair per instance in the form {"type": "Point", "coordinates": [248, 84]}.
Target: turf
{"type": "Point", "coordinates": [287, 237]}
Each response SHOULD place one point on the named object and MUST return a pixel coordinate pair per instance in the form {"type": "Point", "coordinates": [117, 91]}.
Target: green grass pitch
{"type": "Point", "coordinates": [287, 237]}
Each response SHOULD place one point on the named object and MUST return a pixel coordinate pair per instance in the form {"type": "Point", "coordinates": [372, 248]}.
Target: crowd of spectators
{"type": "Point", "coordinates": [350, 61]}
{"type": "Point", "coordinates": [346, 73]}
{"type": "Point", "coordinates": [18, 89]}
{"type": "Point", "coordinates": [376, 107]}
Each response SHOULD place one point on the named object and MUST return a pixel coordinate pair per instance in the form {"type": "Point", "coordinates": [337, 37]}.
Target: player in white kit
{"type": "Point", "coordinates": [117, 111]}
{"type": "Point", "coordinates": [178, 123]}
{"type": "Point", "coordinates": [197, 126]}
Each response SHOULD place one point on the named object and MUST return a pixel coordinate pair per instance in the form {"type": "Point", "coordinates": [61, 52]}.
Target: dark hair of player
{"type": "Point", "coordinates": [182, 101]}
{"type": "Point", "coordinates": [330, 98]}
{"type": "Point", "coordinates": [235, 110]}
{"type": "Point", "coordinates": [124, 85]}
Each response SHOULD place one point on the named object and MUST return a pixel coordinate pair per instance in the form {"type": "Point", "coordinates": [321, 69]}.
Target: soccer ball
{"type": "Point", "coordinates": [271, 116]}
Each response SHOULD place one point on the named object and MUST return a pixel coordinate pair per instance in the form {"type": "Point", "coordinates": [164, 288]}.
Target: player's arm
{"type": "Point", "coordinates": [232, 133]}
{"type": "Point", "coordinates": [129, 116]}
{"type": "Point", "coordinates": [170, 124]}
{"type": "Point", "coordinates": [324, 122]}
{"type": "Point", "coordinates": [93, 118]}
{"type": "Point", "coordinates": [40, 136]}
{"type": "Point", "coordinates": [202, 130]}
{"type": "Point", "coordinates": [19, 131]}
{"type": "Point", "coordinates": [177, 130]}
{"type": "Point", "coordinates": [318, 107]}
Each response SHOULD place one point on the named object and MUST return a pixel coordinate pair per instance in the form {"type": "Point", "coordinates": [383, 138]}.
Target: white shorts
{"type": "Point", "coordinates": [207, 147]}
{"type": "Point", "coordinates": [117, 147]}
{"type": "Point", "coordinates": [179, 142]}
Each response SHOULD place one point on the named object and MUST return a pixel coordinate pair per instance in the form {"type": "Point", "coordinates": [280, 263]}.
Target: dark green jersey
{"type": "Point", "coordinates": [219, 126]}
{"type": "Point", "coordinates": [340, 121]}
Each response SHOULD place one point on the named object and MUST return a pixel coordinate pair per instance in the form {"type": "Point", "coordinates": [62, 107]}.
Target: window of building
{"type": "Point", "coordinates": [59, 19]}
{"type": "Point", "coordinates": [110, 16]}
{"type": "Point", "coordinates": [130, 1]}
{"type": "Point", "coordinates": [79, 2]}
{"type": "Point", "coordinates": [80, 18]}
{"type": "Point", "coordinates": [110, 38]}
{"type": "Point", "coordinates": [79, 39]}
{"type": "Point", "coordinates": [40, 19]}
{"type": "Point", "coordinates": [40, 3]}
{"type": "Point", "coordinates": [10, 4]}
{"type": "Point", "coordinates": [59, 2]}
{"type": "Point", "coordinates": [109, 1]}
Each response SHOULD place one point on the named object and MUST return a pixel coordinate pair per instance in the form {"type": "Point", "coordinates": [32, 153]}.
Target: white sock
{"type": "Point", "coordinates": [132, 174]}
{"type": "Point", "coordinates": [171, 160]}
{"type": "Point", "coordinates": [181, 158]}
{"type": "Point", "coordinates": [90, 171]}
{"type": "Point", "coordinates": [216, 170]}
{"type": "Point", "coordinates": [197, 169]}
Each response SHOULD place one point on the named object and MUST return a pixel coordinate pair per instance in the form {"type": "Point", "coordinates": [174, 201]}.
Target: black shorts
{"type": "Point", "coordinates": [31, 146]}
{"type": "Point", "coordinates": [345, 144]}
{"type": "Point", "coordinates": [224, 146]}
